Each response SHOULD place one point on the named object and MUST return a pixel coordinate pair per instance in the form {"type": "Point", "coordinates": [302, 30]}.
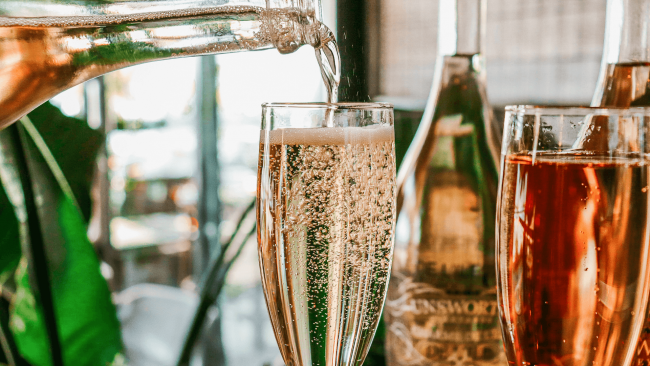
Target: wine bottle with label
{"type": "Point", "coordinates": [441, 306]}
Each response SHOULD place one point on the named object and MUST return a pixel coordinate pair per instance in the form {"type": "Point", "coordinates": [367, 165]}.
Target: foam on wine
{"type": "Point", "coordinates": [332, 135]}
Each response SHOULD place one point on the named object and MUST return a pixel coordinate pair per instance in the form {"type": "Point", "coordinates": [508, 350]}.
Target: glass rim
{"type": "Point", "coordinates": [575, 110]}
{"type": "Point", "coordinates": [343, 106]}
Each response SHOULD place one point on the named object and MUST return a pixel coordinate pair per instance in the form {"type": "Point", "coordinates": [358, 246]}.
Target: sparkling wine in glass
{"type": "Point", "coordinates": [326, 213]}
{"type": "Point", "coordinates": [572, 236]}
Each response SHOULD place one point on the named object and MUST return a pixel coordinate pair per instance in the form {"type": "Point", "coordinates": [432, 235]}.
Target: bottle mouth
{"type": "Point", "coordinates": [576, 110]}
{"type": "Point", "coordinates": [348, 106]}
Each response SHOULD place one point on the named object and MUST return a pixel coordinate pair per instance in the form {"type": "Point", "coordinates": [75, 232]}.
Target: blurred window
{"type": "Point", "coordinates": [537, 51]}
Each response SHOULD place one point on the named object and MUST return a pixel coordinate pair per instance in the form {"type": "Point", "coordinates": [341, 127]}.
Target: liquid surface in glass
{"type": "Point", "coordinates": [568, 260]}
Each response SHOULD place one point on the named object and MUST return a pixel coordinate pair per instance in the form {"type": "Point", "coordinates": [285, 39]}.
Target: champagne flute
{"type": "Point", "coordinates": [572, 235]}
{"type": "Point", "coordinates": [326, 214]}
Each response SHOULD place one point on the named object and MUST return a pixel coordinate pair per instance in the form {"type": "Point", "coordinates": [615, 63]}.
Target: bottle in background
{"type": "Point", "coordinates": [441, 306]}
{"type": "Point", "coordinates": [624, 81]}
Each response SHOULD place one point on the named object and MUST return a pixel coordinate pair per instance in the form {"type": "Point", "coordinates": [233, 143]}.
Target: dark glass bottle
{"type": "Point", "coordinates": [441, 305]}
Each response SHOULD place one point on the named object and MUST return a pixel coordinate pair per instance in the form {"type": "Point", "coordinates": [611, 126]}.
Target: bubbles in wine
{"type": "Point", "coordinates": [327, 206]}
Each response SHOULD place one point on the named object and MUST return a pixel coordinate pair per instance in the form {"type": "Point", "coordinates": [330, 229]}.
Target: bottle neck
{"type": "Point", "coordinates": [627, 32]}
{"type": "Point", "coordinates": [461, 27]}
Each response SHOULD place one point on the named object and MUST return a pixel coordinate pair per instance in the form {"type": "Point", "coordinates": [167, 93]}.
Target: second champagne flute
{"type": "Point", "coordinates": [572, 238]}
{"type": "Point", "coordinates": [326, 214]}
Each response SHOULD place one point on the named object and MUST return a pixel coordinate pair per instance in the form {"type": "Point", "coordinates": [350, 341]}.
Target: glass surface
{"type": "Point", "coordinates": [83, 8]}
{"type": "Point", "coordinates": [326, 213]}
{"type": "Point", "coordinates": [572, 235]}
{"type": "Point", "coordinates": [49, 46]}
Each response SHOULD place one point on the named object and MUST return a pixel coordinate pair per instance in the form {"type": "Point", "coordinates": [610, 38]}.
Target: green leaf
{"type": "Point", "coordinates": [17, 183]}
{"type": "Point", "coordinates": [88, 326]}
{"type": "Point", "coordinates": [86, 321]}
{"type": "Point", "coordinates": [73, 145]}
{"type": "Point", "coordinates": [9, 352]}
{"type": "Point", "coordinates": [9, 243]}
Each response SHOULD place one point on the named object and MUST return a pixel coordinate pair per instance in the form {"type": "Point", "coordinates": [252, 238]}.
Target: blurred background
{"type": "Point", "coordinates": [181, 146]}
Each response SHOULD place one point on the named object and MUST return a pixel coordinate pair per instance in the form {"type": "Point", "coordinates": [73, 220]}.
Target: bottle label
{"type": "Point", "coordinates": [427, 325]}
